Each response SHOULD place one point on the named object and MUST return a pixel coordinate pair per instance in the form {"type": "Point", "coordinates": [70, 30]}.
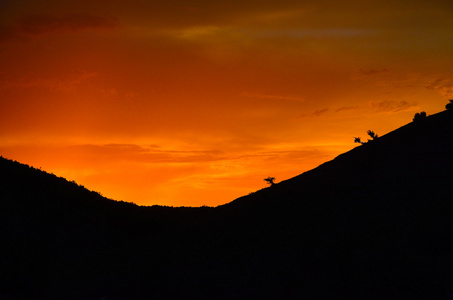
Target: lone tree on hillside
{"type": "Point", "coordinates": [270, 180]}
{"type": "Point", "coordinates": [419, 116]}
{"type": "Point", "coordinates": [449, 106]}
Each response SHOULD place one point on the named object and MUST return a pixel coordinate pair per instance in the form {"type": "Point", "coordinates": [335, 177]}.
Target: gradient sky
{"type": "Point", "coordinates": [196, 102]}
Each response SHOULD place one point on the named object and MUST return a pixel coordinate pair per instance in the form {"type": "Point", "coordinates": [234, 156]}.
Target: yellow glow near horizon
{"type": "Point", "coordinates": [158, 103]}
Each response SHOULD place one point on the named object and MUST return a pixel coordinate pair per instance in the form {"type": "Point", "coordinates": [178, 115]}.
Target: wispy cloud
{"type": "Point", "coordinates": [301, 33]}
{"type": "Point", "coordinates": [373, 72]}
{"type": "Point", "coordinates": [315, 114]}
{"type": "Point", "coordinates": [320, 112]}
{"type": "Point", "coordinates": [442, 86]}
{"type": "Point", "coordinates": [304, 154]}
{"type": "Point", "coordinates": [145, 154]}
{"type": "Point", "coordinates": [379, 76]}
{"type": "Point", "coordinates": [272, 96]}
{"type": "Point", "coordinates": [343, 108]}
{"type": "Point", "coordinates": [197, 32]}
{"type": "Point", "coordinates": [55, 84]}
{"type": "Point", "coordinates": [393, 106]}
{"type": "Point", "coordinates": [245, 33]}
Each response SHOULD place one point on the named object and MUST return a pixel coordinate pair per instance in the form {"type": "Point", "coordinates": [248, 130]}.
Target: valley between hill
{"type": "Point", "coordinates": [374, 223]}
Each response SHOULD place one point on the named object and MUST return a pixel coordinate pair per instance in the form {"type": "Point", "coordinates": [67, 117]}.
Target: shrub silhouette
{"type": "Point", "coordinates": [270, 180]}
{"type": "Point", "coordinates": [372, 134]}
{"type": "Point", "coordinates": [419, 116]}
{"type": "Point", "coordinates": [358, 140]}
{"type": "Point", "coordinates": [449, 106]}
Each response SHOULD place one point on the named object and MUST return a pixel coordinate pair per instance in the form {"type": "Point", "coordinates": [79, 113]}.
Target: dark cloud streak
{"type": "Point", "coordinates": [320, 112]}
{"type": "Point", "coordinates": [42, 24]}
{"type": "Point", "coordinates": [393, 106]}
{"type": "Point", "coordinates": [373, 72]}
{"type": "Point", "coordinates": [346, 108]}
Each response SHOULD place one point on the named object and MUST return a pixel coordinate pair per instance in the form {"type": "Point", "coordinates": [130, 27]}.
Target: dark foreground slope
{"type": "Point", "coordinates": [377, 220]}
{"type": "Point", "coordinates": [55, 235]}
{"type": "Point", "coordinates": [374, 223]}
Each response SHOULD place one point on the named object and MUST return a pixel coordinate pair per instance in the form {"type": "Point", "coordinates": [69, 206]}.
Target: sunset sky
{"type": "Point", "coordinates": [196, 102]}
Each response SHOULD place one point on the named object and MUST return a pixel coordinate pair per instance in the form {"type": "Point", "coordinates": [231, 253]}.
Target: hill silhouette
{"type": "Point", "coordinates": [374, 223]}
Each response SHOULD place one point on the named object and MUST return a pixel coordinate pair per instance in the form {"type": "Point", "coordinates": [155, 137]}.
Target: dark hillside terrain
{"type": "Point", "coordinates": [49, 227]}
{"type": "Point", "coordinates": [374, 223]}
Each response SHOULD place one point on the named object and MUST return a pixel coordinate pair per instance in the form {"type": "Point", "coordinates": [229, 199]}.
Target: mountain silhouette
{"type": "Point", "coordinates": [374, 223]}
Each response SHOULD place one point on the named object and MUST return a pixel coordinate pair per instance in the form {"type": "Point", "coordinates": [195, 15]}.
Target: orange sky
{"type": "Point", "coordinates": [195, 102]}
